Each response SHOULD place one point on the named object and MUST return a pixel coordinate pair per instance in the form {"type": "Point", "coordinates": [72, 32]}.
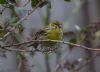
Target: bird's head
{"type": "Point", "coordinates": [56, 24]}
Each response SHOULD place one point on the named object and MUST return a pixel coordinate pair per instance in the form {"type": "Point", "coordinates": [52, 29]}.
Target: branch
{"type": "Point", "coordinates": [22, 19]}
{"type": "Point", "coordinates": [68, 65]}
{"type": "Point", "coordinates": [32, 41]}
{"type": "Point", "coordinates": [26, 3]}
{"type": "Point", "coordinates": [24, 50]}
{"type": "Point", "coordinates": [88, 61]}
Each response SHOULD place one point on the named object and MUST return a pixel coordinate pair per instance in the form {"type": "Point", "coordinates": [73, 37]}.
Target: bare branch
{"type": "Point", "coordinates": [26, 3]}
{"type": "Point", "coordinates": [22, 19]}
{"type": "Point", "coordinates": [65, 63]}
{"type": "Point", "coordinates": [88, 61]}
{"type": "Point", "coordinates": [32, 41]}
{"type": "Point", "coordinates": [24, 50]}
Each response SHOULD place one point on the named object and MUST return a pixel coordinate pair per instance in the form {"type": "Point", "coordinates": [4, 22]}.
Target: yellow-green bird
{"type": "Point", "coordinates": [52, 32]}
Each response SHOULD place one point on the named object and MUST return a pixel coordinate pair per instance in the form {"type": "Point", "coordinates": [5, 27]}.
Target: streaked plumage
{"type": "Point", "coordinates": [52, 32]}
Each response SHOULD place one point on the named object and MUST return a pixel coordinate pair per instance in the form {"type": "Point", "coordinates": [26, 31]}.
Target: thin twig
{"type": "Point", "coordinates": [82, 66]}
{"type": "Point", "coordinates": [8, 33]}
{"type": "Point", "coordinates": [22, 19]}
{"type": "Point", "coordinates": [88, 61]}
{"type": "Point", "coordinates": [26, 3]}
{"type": "Point", "coordinates": [58, 41]}
{"type": "Point", "coordinates": [24, 50]}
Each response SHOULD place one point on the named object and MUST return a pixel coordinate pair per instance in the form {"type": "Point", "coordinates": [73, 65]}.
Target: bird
{"type": "Point", "coordinates": [51, 32]}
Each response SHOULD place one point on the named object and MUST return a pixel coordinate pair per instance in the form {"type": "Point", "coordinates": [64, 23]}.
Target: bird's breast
{"type": "Point", "coordinates": [54, 34]}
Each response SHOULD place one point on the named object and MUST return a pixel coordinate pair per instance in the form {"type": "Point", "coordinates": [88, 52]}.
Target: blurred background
{"type": "Point", "coordinates": [75, 15]}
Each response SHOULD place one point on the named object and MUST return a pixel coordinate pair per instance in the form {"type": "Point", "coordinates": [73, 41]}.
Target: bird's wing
{"type": "Point", "coordinates": [40, 35]}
